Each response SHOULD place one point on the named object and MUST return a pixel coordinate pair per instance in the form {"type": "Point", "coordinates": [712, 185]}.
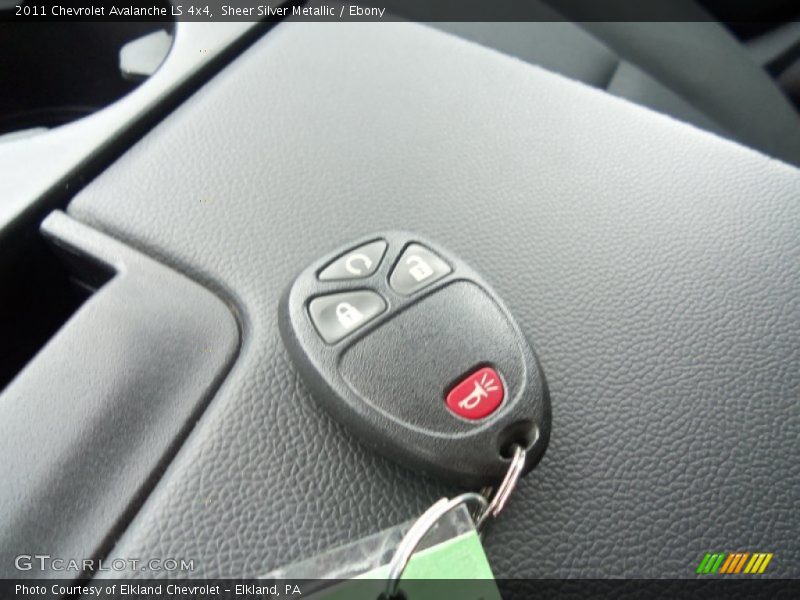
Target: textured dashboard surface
{"type": "Point", "coordinates": [656, 269]}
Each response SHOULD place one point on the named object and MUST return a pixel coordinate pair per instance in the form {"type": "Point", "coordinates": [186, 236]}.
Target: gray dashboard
{"type": "Point", "coordinates": [654, 266]}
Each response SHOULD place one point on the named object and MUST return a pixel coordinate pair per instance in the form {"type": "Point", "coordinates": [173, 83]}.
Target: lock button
{"type": "Point", "coordinates": [336, 315]}
{"type": "Point", "coordinates": [417, 268]}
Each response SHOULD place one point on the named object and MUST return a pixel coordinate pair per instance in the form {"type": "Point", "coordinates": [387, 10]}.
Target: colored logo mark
{"type": "Point", "coordinates": [734, 563]}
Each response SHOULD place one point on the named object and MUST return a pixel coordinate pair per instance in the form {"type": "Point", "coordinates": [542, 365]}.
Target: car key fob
{"type": "Point", "coordinates": [411, 349]}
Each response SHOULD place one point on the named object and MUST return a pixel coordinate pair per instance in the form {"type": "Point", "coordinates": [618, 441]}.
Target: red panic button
{"type": "Point", "coordinates": [477, 395]}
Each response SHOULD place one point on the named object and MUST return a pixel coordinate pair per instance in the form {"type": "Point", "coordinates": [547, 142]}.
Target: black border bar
{"type": "Point", "coordinates": [374, 10]}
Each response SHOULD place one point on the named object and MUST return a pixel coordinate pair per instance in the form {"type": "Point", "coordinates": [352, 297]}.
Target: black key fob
{"type": "Point", "coordinates": [413, 351]}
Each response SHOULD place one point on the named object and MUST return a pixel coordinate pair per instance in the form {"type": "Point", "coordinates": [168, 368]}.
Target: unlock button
{"type": "Point", "coordinates": [417, 268]}
{"type": "Point", "coordinates": [336, 315]}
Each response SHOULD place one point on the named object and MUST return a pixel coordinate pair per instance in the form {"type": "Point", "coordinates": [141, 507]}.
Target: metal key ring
{"type": "Point", "coordinates": [418, 531]}
{"type": "Point", "coordinates": [507, 486]}
{"type": "Point", "coordinates": [441, 507]}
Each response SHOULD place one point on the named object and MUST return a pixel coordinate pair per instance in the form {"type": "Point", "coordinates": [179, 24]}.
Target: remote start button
{"type": "Point", "coordinates": [477, 395]}
{"type": "Point", "coordinates": [417, 268]}
{"type": "Point", "coordinates": [336, 315]}
{"type": "Point", "coordinates": [357, 263]}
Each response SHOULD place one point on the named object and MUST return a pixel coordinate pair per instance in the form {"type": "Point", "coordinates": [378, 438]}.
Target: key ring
{"type": "Point", "coordinates": [442, 506]}
{"type": "Point", "coordinates": [507, 486]}
{"type": "Point", "coordinates": [418, 530]}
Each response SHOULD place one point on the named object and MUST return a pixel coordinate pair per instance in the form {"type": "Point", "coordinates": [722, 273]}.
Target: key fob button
{"type": "Point", "coordinates": [337, 315]}
{"type": "Point", "coordinates": [417, 268]}
{"type": "Point", "coordinates": [357, 263]}
{"type": "Point", "coordinates": [477, 395]}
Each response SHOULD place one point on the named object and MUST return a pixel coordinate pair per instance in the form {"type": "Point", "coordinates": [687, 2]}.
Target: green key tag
{"type": "Point", "coordinates": [456, 568]}
{"type": "Point", "coordinates": [448, 563]}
